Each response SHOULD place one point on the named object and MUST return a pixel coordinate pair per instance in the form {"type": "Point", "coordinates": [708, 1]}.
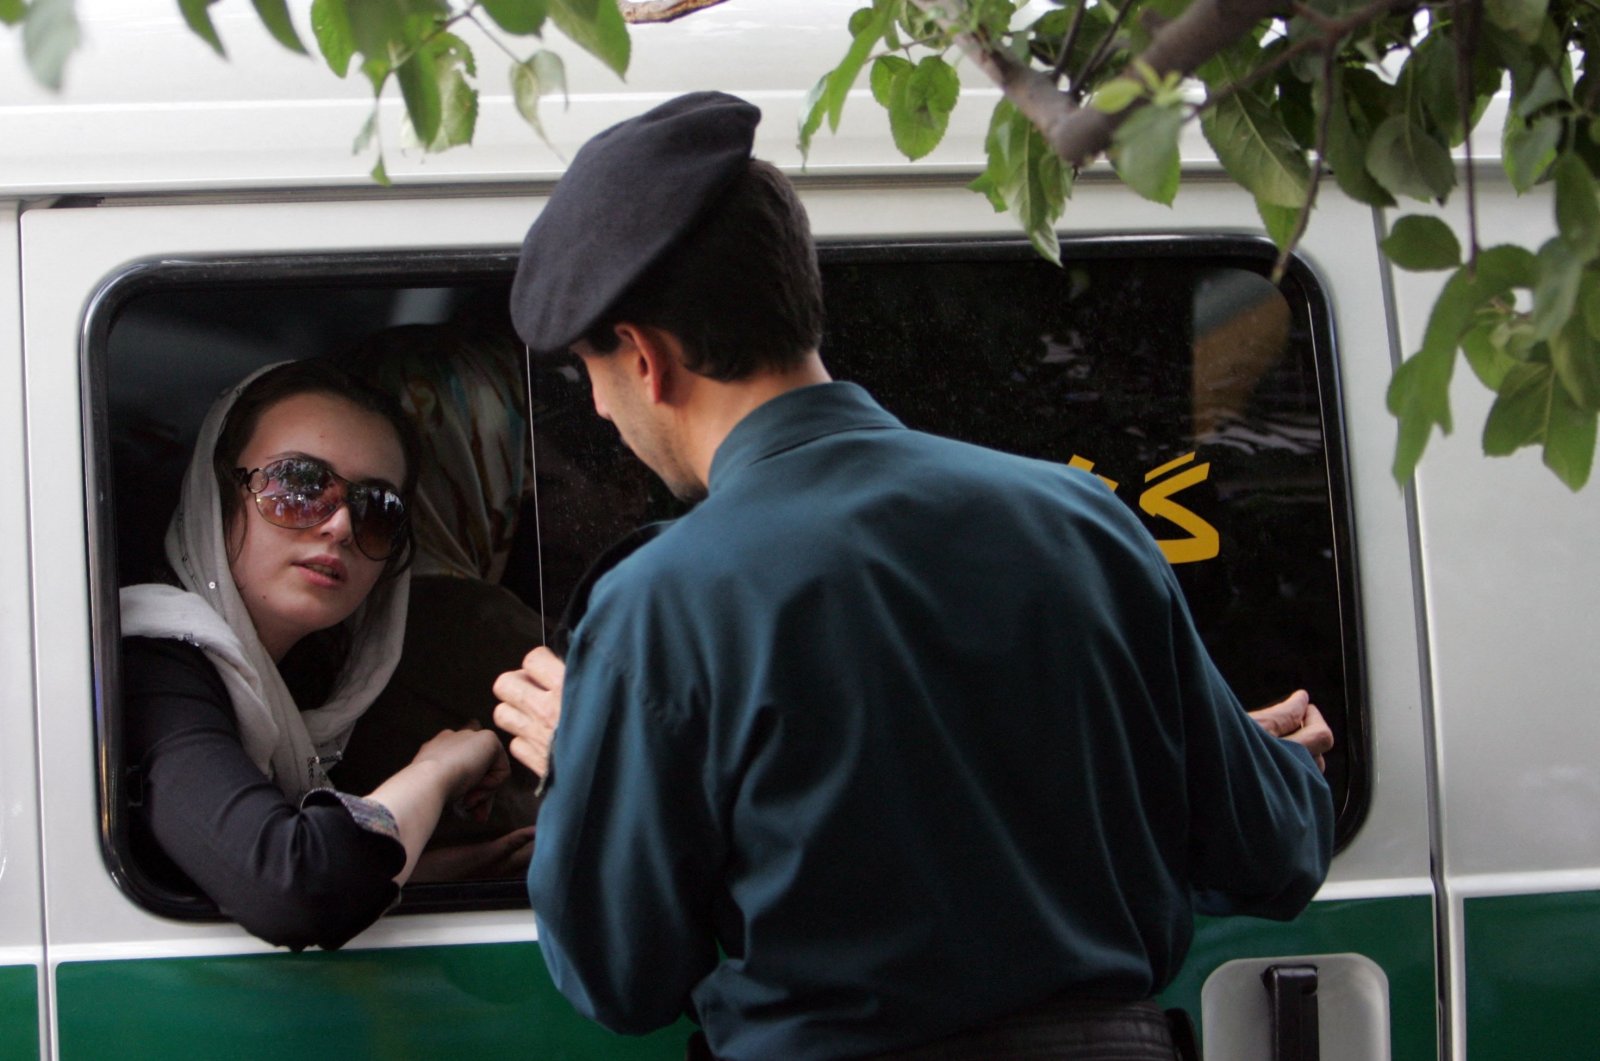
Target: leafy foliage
{"type": "Point", "coordinates": [1376, 92]}
{"type": "Point", "coordinates": [406, 43]}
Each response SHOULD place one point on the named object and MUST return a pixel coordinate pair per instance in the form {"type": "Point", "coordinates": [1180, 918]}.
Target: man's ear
{"type": "Point", "coordinates": [655, 356]}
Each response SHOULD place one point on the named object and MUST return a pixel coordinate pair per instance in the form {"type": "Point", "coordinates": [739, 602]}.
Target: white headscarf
{"type": "Point", "coordinates": [290, 746]}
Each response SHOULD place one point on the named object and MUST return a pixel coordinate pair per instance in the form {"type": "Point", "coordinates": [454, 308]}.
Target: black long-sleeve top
{"type": "Point", "coordinates": [296, 876]}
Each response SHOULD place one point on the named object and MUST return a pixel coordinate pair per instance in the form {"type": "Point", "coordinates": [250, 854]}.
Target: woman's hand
{"type": "Point", "coordinates": [464, 765]}
{"type": "Point", "coordinates": [473, 763]}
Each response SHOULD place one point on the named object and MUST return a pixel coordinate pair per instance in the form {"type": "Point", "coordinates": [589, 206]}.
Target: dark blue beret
{"type": "Point", "coordinates": [629, 195]}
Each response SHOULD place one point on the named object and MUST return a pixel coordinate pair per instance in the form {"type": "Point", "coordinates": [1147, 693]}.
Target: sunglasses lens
{"type": "Point", "coordinates": [297, 493]}
{"type": "Point", "coordinates": [377, 518]}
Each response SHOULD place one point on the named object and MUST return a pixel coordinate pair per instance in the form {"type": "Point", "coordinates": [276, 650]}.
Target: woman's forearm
{"type": "Point", "coordinates": [416, 797]}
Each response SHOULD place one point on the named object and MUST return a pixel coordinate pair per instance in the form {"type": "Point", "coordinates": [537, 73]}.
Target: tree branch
{"type": "Point", "coordinates": [1282, 264]}
{"type": "Point", "coordinates": [643, 11]}
{"type": "Point", "coordinates": [1080, 83]}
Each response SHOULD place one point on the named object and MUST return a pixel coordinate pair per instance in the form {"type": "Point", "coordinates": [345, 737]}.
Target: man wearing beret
{"type": "Point", "coordinates": [892, 745]}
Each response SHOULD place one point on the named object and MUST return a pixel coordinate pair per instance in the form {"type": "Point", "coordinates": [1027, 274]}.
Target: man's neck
{"type": "Point", "coordinates": [718, 407]}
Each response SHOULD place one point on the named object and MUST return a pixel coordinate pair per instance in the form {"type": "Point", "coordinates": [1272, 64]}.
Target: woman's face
{"type": "Point", "coordinates": [295, 582]}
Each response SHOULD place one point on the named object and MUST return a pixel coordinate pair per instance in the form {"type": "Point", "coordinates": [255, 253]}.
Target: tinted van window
{"type": "Point", "coordinates": [1204, 397]}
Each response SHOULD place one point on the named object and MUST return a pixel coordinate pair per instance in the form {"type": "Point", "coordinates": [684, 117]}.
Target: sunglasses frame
{"type": "Point", "coordinates": [246, 476]}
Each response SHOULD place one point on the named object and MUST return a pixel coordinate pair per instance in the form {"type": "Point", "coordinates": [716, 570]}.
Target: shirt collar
{"type": "Point", "coordinates": [795, 418]}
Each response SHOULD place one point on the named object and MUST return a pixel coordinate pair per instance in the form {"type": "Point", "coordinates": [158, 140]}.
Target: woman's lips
{"type": "Point", "coordinates": [325, 571]}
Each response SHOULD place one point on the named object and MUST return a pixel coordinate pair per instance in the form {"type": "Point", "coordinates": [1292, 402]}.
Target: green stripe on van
{"type": "Point", "coordinates": [1396, 933]}
{"type": "Point", "coordinates": [496, 1000]}
{"type": "Point", "coordinates": [477, 1002]}
{"type": "Point", "coordinates": [19, 1013]}
{"type": "Point", "coordinates": [1532, 963]}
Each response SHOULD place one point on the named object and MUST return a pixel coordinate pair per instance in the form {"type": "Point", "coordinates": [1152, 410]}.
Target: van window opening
{"type": "Point", "coordinates": [1202, 396]}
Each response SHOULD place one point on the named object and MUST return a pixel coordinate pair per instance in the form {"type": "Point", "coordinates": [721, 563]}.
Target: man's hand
{"type": "Point", "coordinates": [530, 707]}
{"type": "Point", "coordinates": [1297, 719]}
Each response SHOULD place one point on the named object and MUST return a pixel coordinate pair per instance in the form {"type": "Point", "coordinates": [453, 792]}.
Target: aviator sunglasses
{"type": "Point", "coordinates": [297, 493]}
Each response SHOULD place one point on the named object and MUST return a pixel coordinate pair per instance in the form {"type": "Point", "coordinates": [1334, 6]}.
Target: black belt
{"type": "Point", "coordinates": [1058, 1029]}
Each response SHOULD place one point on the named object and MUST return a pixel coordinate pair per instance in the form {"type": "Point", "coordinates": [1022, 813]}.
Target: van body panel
{"type": "Point", "coordinates": [269, 118]}
{"type": "Point", "coordinates": [484, 1001]}
{"type": "Point", "coordinates": [113, 962]}
{"type": "Point", "coordinates": [19, 1012]}
{"type": "Point", "coordinates": [1531, 970]}
{"type": "Point", "coordinates": [21, 913]}
{"type": "Point", "coordinates": [1396, 933]}
{"type": "Point", "coordinates": [1510, 571]}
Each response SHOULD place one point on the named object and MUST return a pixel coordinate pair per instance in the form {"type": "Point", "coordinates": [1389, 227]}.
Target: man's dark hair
{"type": "Point", "coordinates": [742, 291]}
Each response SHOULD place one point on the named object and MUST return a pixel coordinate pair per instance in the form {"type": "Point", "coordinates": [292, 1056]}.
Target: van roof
{"type": "Point", "coordinates": [148, 108]}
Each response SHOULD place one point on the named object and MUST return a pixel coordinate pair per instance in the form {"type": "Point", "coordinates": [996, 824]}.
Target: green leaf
{"type": "Point", "coordinates": [419, 85]}
{"type": "Point", "coordinates": [1117, 95]}
{"type": "Point", "coordinates": [1430, 75]}
{"type": "Point", "coordinates": [195, 13]}
{"type": "Point", "coordinates": [920, 101]}
{"type": "Point", "coordinates": [1419, 397]}
{"type": "Point", "coordinates": [1569, 440]}
{"type": "Point", "coordinates": [1577, 210]}
{"type": "Point", "coordinates": [884, 70]}
{"type": "Point", "coordinates": [368, 133]}
{"type": "Point", "coordinates": [1555, 293]}
{"type": "Point", "coordinates": [378, 29]}
{"type": "Point", "coordinates": [275, 16]}
{"type": "Point", "coordinates": [597, 27]}
{"type": "Point", "coordinates": [1403, 158]}
{"type": "Point", "coordinates": [1347, 150]}
{"type": "Point", "coordinates": [11, 11]}
{"type": "Point", "coordinates": [330, 24]}
{"type": "Point", "coordinates": [1026, 177]}
{"type": "Point", "coordinates": [379, 172]}
{"type": "Point", "coordinates": [1589, 295]}
{"type": "Point", "coordinates": [1256, 149]}
{"type": "Point", "coordinates": [1489, 360]}
{"type": "Point", "coordinates": [458, 100]}
{"type": "Point", "coordinates": [814, 108]}
{"type": "Point", "coordinates": [49, 36]}
{"type": "Point", "coordinates": [1547, 89]}
{"type": "Point", "coordinates": [522, 17]}
{"type": "Point", "coordinates": [1144, 150]}
{"type": "Point", "coordinates": [1422, 243]}
{"type": "Point", "coordinates": [867, 27]}
{"type": "Point", "coordinates": [1522, 18]}
{"type": "Point", "coordinates": [826, 98]}
{"type": "Point", "coordinates": [540, 76]}
{"type": "Point", "coordinates": [1419, 393]}
{"type": "Point", "coordinates": [1529, 149]}
{"type": "Point", "coordinates": [1522, 411]}
{"type": "Point", "coordinates": [1576, 359]}
{"type": "Point", "coordinates": [1279, 221]}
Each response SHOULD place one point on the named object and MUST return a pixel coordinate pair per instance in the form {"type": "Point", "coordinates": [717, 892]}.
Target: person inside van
{"type": "Point", "coordinates": [288, 588]}
{"type": "Point", "coordinates": [463, 389]}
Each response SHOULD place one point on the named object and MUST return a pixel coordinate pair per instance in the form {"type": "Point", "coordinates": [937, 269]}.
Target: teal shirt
{"type": "Point", "coordinates": [892, 735]}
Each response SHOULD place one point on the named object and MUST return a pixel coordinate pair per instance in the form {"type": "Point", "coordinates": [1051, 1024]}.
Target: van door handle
{"type": "Point", "coordinates": [1292, 990]}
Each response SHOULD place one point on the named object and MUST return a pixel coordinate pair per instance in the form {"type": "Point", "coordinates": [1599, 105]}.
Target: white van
{"type": "Point", "coordinates": [172, 221]}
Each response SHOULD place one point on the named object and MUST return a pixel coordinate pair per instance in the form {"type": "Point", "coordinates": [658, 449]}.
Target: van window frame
{"type": "Point", "coordinates": [460, 266]}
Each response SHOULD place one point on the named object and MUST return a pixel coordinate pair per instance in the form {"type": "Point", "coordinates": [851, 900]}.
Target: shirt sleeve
{"type": "Point", "coordinates": [622, 878]}
{"type": "Point", "coordinates": [315, 873]}
{"type": "Point", "coordinates": [1261, 811]}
